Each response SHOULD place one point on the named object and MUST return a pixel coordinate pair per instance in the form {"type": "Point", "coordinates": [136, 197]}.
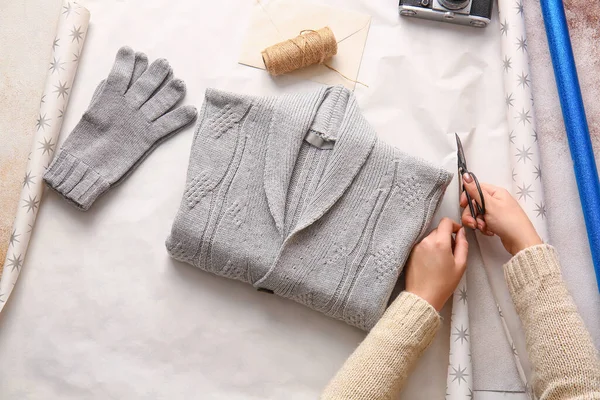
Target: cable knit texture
{"type": "Point", "coordinates": [562, 353]}
{"type": "Point", "coordinates": [327, 223]}
{"type": "Point", "coordinates": [380, 365]}
{"type": "Point", "coordinates": [565, 361]}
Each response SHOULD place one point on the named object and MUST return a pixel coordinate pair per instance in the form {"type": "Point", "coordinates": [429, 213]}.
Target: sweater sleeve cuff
{"type": "Point", "coordinates": [414, 315]}
{"type": "Point", "coordinates": [531, 265]}
{"type": "Point", "coordinates": [76, 181]}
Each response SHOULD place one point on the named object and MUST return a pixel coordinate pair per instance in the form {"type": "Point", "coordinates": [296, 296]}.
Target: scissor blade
{"type": "Point", "coordinates": [462, 161]}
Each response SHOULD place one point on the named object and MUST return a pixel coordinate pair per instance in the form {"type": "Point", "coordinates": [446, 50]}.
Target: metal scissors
{"type": "Point", "coordinates": [462, 169]}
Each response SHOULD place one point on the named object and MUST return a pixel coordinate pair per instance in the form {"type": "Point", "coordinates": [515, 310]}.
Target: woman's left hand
{"type": "Point", "coordinates": [435, 265]}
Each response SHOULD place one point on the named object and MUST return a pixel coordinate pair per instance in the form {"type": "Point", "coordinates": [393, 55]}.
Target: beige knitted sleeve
{"type": "Point", "coordinates": [379, 366]}
{"type": "Point", "coordinates": [565, 361]}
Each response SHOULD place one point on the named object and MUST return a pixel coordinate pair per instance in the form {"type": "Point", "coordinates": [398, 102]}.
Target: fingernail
{"type": "Point", "coordinates": [467, 178]}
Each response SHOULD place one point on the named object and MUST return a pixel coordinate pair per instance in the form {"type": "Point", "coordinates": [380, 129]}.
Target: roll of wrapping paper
{"type": "Point", "coordinates": [526, 168]}
{"type": "Point", "coordinates": [459, 381]}
{"type": "Point", "coordinates": [580, 144]}
{"type": "Point", "coordinates": [66, 50]}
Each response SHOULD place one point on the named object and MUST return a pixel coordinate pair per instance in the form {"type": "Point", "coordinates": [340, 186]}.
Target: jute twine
{"type": "Point", "coordinates": [308, 48]}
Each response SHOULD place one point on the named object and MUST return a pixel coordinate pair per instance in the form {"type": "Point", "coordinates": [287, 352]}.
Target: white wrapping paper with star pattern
{"type": "Point", "coordinates": [66, 49]}
{"type": "Point", "coordinates": [524, 160]}
{"type": "Point", "coordinates": [459, 384]}
{"type": "Point", "coordinates": [527, 188]}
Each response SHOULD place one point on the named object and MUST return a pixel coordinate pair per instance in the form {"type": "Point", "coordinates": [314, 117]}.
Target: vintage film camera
{"type": "Point", "coordinates": [475, 13]}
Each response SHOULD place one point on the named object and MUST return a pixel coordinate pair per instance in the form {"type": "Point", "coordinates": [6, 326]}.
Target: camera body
{"type": "Point", "coordinates": [477, 13]}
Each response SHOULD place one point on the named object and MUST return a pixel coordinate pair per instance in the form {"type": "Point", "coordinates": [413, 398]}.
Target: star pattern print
{"type": "Point", "coordinates": [519, 7]}
{"type": "Point", "coordinates": [523, 79]}
{"type": "Point", "coordinates": [28, 179]}
{"type": "Point", "coordinates": [69, 39]}
{"type": "Point", "coordinates": [506, 63]}
{"type": "Point", "coordinates": [524, 192]}
{"type": "Point", "coordinates": [15, 263]}
{"type": "Point", "coordinates": [524, 154]}
{"type": "Point", "coordinates": [56, 65]}
{"type": "Point", "coordinates": [76, 34]}
{"type": "Point", "coordinates": [538, 172]}
{"type": "Point", "coordinates": [522, 134]}
{"type": "Point", "coordinates": [461, 334]}
{"type": "Point", "coordinates": [526, 174]}
{"type": "Point", "coordinates": [68, 9]}
{"type": "Point", "coordinates": [31, 204]}
{"type": "Point", "coordinates": [61, 89]}
{"type": "Point", "coordinates": [509, 100]}
{"type": "Point", "coordinates": [47, 146]}
{"type": "Point", "coordinates": [42, 122]}
{"type": "Point", "coordinates": [459, 385]}
{"type": "Point", "coordinates": [541, 210]}
{"type": "Point", "coordinates": [504, 28]}
{"type": "Point", "coordinates": [462, 292]}
{"type": "Point", "coordinates": [459, 375]}
{"type": "Point", "coordinates": [522, 44]}
{"type": "Point", "coordinates": [13, 238]}
{"type": "Point", "coordinates": [524, 117]}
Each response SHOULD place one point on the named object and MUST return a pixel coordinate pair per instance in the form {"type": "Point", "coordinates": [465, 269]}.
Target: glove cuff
{"type": "Point", "coordinates": [76, 181]}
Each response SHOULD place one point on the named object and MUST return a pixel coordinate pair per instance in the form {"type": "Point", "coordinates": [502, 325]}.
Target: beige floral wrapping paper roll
{"type": "Point", "coordinates": [66, 50]}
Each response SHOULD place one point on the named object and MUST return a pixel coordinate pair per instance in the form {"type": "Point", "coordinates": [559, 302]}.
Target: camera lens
{"type": "Point", "coordinates": [454, 4]}
{"type": "Point", "coordinates": [478, 24]}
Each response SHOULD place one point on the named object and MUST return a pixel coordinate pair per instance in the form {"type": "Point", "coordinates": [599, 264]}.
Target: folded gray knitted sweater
{"type": "Point", "coordinates": [297, 196]}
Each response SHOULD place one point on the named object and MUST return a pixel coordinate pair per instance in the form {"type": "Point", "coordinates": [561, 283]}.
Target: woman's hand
{"type": "Point", "coordinates": [503, 217]}
{"type": "Point", "coordinates": [435, 265]}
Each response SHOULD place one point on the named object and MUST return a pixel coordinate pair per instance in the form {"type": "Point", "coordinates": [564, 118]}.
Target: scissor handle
{"type": "Point", "coordinates": [480, 208]}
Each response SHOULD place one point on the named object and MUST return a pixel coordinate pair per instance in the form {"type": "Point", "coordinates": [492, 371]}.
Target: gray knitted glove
{"type": "Point", "coordinates": [131, 113]}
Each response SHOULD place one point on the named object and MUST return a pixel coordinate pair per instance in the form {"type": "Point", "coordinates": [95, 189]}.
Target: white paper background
{"type": "Point", "coordinates": [101, 311]}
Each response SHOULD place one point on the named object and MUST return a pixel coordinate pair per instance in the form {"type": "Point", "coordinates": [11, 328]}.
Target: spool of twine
{"type": "Point", "coordinates": [308, 48]}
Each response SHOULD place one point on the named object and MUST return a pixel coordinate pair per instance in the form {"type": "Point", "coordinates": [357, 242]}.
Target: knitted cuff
{"type": "Point", "coordinates": [412, 312]}
{"type": "Point", "coordinates": [75, 180]}
{"type": "Point", "coordinates": [530, 266]}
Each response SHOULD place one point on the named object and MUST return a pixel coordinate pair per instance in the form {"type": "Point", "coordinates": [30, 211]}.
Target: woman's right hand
{"type": "Point", "coordinates": [503, 216]}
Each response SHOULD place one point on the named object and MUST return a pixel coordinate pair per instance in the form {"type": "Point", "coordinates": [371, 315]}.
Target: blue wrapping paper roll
{"type": "Point", "coordinates": [575, 121]}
